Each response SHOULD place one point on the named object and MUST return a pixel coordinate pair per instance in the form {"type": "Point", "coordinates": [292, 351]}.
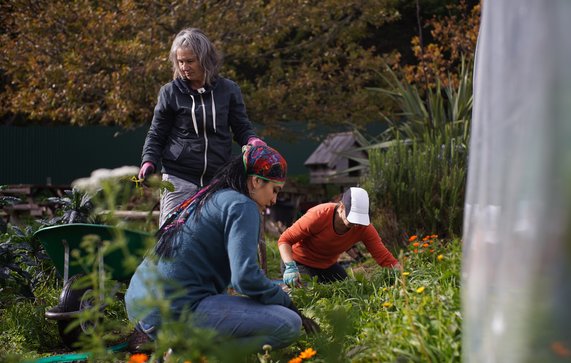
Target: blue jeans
{"type": "Point", "coordinates": [249, 321]}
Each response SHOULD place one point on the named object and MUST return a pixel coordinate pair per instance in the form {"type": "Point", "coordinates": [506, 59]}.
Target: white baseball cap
{"type": "Point", "coordinates": [356, 202]}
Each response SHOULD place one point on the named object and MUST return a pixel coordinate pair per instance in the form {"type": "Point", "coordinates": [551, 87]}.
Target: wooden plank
{"type": "Point", "coordinates": [132, 214]}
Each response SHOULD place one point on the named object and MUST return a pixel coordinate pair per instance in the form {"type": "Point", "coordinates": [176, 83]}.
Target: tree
{"type": "Point", "coordinates": [81, 62]}
{"type": "Point", "coordinates": [102, 62]}
{"type": "Point", "coordinates": [454, 39]}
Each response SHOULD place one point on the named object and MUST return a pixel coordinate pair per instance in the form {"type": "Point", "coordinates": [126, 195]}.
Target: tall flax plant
{"type": "Point", "coordinates": [417, 173]}
{"type": "Point", "coordinates": [428, 112]}
{"type": "Point", "coordinates": [422, 183]}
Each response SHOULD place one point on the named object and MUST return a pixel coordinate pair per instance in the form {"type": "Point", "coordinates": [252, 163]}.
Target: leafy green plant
{"type": "Point", "coordinates": [416, 169]}
{"type": "Point", "coordinates": [434, 112]}
{"type": "Point", "coordinates": [375, 315]}
{"type": "Point", "coordinates": [74, 207]}
{"type": "Point", "coordinates": [424, 184]}
{"type": "Point", "coordinates": [381, 315]}
{"type": "Point", "coordinates": [6, 200]}
{"type": "Point", "coordinates": [23, 264]}
{"type": "Point", "coordinates": [26, 334]}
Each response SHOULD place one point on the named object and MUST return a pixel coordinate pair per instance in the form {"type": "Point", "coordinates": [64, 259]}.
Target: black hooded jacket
{"type": "Point", "coordinates": [191, 132]}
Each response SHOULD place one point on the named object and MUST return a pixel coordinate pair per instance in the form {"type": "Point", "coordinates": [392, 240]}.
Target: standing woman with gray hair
{"type": "Point", "coordinates": [196, 116]}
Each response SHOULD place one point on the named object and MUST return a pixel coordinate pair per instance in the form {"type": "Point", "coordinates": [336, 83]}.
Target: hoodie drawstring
{"type": "Point", "coordinates": [194, 115]}
{"type": "Point", "coordinates": [213, 111]}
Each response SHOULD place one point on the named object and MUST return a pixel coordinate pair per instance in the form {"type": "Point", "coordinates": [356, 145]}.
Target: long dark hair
{"type": "Point", "coordinates": [231, 176]}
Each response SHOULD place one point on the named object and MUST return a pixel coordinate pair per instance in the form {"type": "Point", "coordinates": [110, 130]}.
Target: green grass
{"type": "Point", "coordinates": [381, 315]}
{"type": "Point", "coordinates": [377, 315]}
{"type": "Point", "coordinates": [25, 333]}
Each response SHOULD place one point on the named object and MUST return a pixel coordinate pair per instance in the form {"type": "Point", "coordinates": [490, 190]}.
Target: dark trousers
{"type": "Point", "coordinates": [333, 273]}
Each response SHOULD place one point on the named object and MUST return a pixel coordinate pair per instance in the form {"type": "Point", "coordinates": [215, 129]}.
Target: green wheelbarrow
{"type": "Point", "coordinates": [59, 242]}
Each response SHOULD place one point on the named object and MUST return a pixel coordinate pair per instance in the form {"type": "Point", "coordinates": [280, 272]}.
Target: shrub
{"type": "Point", "coordinates": [423, 184]}
{"type": "Point", "coordinates": [417, 174]}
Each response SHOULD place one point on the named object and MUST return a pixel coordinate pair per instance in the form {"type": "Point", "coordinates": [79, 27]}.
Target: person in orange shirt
{"type": "Point", "coordinates": [313, 244]}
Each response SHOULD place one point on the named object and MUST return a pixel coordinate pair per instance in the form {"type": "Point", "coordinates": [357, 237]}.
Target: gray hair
{"type": "Point", "coordinates": [195, 40]}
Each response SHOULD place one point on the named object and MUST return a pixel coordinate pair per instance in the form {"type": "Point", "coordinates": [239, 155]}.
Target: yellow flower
{"type": "Point", "coordinates": [420, 290]}
{"type": "Point", "coordinates": [295, 360]}
{"type": "Point", "coordinates": [412, 238]}
{"type": "Point", "coordinates": [387, 304]}
{"type": "Point", "coordinates": [439, 257]}
{"type": "Point", "coordinates": [406, 273]}
{"type": "Point", "coordinates": [138, 358]}
{"type": "Point", "coordinates": [308, 353]}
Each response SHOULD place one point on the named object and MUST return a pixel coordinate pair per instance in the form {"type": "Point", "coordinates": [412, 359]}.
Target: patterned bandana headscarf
{"type": "Point", "coordinates": [264, 162]}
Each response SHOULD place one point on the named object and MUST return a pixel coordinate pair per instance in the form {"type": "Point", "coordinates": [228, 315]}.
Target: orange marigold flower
{"type": "Point", "coordinates": [560, 349]}
{"type": "Point", "coordinates": [308, 353]}
{"type": "Point", "coordinates": [416, 244]}
{"type": "Point", "coordinates": [426, 238]}
{"type": "Point", "coordinates": [425, 245]}
{"type": "Point", "coordinates": [138, 358]}
{"type": "Point", "coordinates": [412, 238]}
{"type": "Point", "coordinates": [295, 360]}
{"type": "Point", "coordinates": [434, 236]}
{"type": "Point", "coordinates": [432, 250]}
{"type": "Point", "coordinates": [415, 251]}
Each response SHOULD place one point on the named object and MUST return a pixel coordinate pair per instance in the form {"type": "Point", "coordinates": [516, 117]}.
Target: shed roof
{"type": "Point", "coordinates": [328, 152]}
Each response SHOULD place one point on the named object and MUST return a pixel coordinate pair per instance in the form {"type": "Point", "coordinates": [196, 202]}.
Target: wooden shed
{"type": "Point", "coordinates": [329, 163]}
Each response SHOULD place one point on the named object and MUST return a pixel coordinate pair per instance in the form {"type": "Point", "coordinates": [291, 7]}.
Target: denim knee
{"type": "Point", "coordinates": [289, 331]}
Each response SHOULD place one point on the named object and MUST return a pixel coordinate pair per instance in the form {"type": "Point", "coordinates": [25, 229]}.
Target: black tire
{"type": "Point", "coordinates": [70, 300]}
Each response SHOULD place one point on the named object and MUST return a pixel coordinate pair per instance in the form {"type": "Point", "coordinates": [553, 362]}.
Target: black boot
{"type": "Point", "coordinates": [139, 342]}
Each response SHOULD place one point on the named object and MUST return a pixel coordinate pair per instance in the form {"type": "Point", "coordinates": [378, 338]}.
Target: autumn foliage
{"type": "Point", "coordinates": [102, 62]}
{"type": "Point", "coordinates": [453, 37]}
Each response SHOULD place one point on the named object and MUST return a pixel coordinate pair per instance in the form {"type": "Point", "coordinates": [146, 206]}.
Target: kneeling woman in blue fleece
{"type": "Point", "coordinates": [209, 243]}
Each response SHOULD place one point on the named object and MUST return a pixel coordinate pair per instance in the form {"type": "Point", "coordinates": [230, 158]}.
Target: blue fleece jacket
{"type": "Point", "coordinates": [212, 251]}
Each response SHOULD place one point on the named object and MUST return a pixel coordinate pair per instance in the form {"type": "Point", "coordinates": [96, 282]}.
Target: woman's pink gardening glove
{"type": "Point", "coordinates": [146, 170]}
{"type": "Point", "coordinates": [254, 141]}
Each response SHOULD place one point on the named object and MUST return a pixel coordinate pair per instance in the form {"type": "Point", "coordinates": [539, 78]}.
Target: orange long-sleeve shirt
{"type": "Point", "coordinates": [316, 244]}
